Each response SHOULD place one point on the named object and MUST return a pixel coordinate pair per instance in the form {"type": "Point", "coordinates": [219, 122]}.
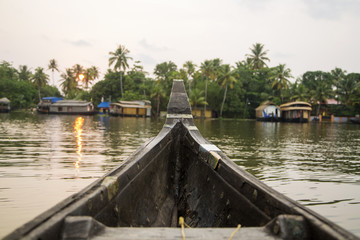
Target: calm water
{"type": "Point", "coordinates": [46, 158]}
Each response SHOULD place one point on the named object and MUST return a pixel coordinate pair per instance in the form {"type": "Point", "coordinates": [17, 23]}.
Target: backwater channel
{"type": "Point", "coordinates": [46, 158]}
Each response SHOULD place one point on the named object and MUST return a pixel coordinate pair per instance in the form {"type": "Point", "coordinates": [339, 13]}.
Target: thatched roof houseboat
{"type": "Point", "coordinates": [295, 111]}
{"type": "Point", "coordinates": [4, 105]}
{"type": "Point", "coordinates": [268, 111]}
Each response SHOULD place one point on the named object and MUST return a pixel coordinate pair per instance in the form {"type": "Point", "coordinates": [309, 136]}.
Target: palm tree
{"type": "Point", "coordinates": [321, 93]}
{"type": "Point", "coordinates": [347, 88]}
{"type": "Point", "coordinates": [53, 66]}
{"type": "Point", "coordinates": [120, 60]}
{"type": "Point", "coordinates": [197, 97]}
{"type": "Point", "coordinates": [40, 79]}
{"type": "Point", "coordinates": [280, 78]}
{"type": "Point", "coordinates": [90, 74]}
{"type": "Point", "coordinates": [87, 77]}
{"type": "Point", "coordinates": [69, 82]}
{"type": "Point", "coordinates": [189, 67]}
{"type": "Point", "coordinates": [165, 73]}
{"type": "Point", "coordinates": [95, 73]}
{"type": "Point", "coordinates": [77, 70]}
{"type": "Point", "coordinates": [226, 79]}
{"type": "Point", "coordinates": [258, 56]}
{"type": "Point", "coordinates": [207, 69]}
{"type": "Point", "coordinates": [24, 73]}
{"type": "Point", "coordinates": [157, 92]}
{"type": "Point", "coordinates": [299, 92]}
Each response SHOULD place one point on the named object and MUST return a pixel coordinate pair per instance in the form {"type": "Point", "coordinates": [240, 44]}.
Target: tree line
{"type": "Point", "coordinates": [228, 90]}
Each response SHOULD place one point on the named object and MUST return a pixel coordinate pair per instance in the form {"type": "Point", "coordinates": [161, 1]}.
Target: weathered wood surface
{"type": "Point", "coordinates": [176, 174]}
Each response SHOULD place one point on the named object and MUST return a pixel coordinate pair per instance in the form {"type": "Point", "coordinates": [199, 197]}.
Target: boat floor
{"type": "Point", "coordinates": [88, 228]}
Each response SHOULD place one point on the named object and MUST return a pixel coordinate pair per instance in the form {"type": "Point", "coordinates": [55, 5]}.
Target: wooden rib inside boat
{"type": "Point", "coordinates": [177, 174]}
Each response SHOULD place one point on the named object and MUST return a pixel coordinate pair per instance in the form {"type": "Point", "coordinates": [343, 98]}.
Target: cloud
{"type": "Point", "coordinates": [151, 47]}
{"type": "Point", "coordinates": [78, 43]}
{"type": "Point", "coordinates": [331, 9]}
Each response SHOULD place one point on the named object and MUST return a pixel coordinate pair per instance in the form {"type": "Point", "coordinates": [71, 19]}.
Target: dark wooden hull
{"type": "Point", "coordinates": [296, 120]}
{"type": "Point", "coordinates": [356, 121]}
{"type": "Point", "coordinates": [68, 113]}
{"type": "Point", "coordinates": [179, 174]}
{"type": "Point", "coordinates": [127, 115]}
{"type": "Point", "coordinates": [268, 119]}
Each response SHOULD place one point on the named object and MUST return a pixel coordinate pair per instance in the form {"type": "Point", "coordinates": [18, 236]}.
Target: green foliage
{"type": "Point", "coordinates": [231, 91]}
{"type": "Point", "coordinates": [22, 94]}
{"type": "Point", "coordinates": [50, 91]}
{"type": "Point", "coordinates": [341, 110]}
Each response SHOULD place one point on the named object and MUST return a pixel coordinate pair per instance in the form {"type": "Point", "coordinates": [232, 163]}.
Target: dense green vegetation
{"type": "Point", "coordinates": [230, 91]}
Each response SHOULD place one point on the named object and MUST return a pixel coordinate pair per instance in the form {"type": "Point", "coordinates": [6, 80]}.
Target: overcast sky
{"type": "Point", "coordinates": [306, 35]}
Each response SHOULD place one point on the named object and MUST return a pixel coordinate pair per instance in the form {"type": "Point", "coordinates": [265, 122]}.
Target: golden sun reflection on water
{"type": "Point", "coordinates": [79, 122]}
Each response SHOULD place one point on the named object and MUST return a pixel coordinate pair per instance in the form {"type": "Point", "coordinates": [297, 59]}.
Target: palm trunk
{"type": "Point", "coordinates": [246, 101]}
{"type": "Point", "coordinates": [206, 82]}
{"type": "Point", "coordinates": [39, 94]}
{"type": "Point", "coordinates": [158, 106]}
{"type": "Point", "coordinates": [121, 85]}
{"type": "Point", "coordinates": [189, 87]}
{"type": "Point", "coordinates": [223, 102]}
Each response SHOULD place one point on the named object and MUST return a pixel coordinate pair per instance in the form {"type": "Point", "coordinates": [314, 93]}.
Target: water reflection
{"type": "Point", "coordinates": [315, 164]}
{"type": "Point", "coordinates": [79, 122]}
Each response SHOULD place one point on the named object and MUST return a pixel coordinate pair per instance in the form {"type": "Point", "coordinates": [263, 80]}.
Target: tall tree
{"type": "Point", "coordinates": [258, 56]}
{"type": "Point", "coordinates": [95, 73]}
{"type": "Point", "coordinates": [25, 73]}
{"type": "Point", "coordinates": [226, 79]}
{"type": "Point", "coordinates": [158, 93]}
{"type": "Point", "coordinates": [348, 87]}
{"type": "Point", "coordinates": [40, 79]}
{"type": "Point", "coordinates": [321, 93]}
{"type": "Point", "coordinates": [53, 66]}
{"type": "Point", "coordinates": [77, 70]}
{"type": "Point", "coordinates": [69, 82]}
{"type": "Point", "coordinates": [189, 67]}
{"type": "Point", "coordinates": [280, 78]}
{"type": "Point", "coordinates": [120, 60]}
{"type": "Point", "coordinates": [90, 74]}
{"type": "Point", "coordinates": [165, 72]}
{"type": "Point", "coordinates": [299, 92]}
{"type": "Point", "coordinates": [207, 69]}
{"type": "Point", "coordinates": [197, 97]}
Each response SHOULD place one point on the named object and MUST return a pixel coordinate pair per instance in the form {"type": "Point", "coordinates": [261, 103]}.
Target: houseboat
{"type": "Point", "coordinates": [268, 112]}
{"type": "Point", "coordinates": [104, 107]}
{"type": "Point", "coordinates": [295, 112]}
{"type": "Point", "coordinates": [44, 105]}
{"type": "Point", "coordinates": [200, 113]}
{"type": "Point", "coordinates": [72, 107]}
{"type": "Point", "coordinates": [4, 105]}
{"type": "Point", "coordinates": [131, 108]}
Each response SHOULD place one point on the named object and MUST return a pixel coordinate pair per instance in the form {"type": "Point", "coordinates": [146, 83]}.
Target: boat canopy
{"type": "Point", "coordinates": [104, 105]}
{"type": "Point", "coordinates": [70, 103]}
{"type": "Point", "coordinates": [296, 104]}
{"type": "Point", "coordinates": [130, 106]}
{"type": "Point", "coordinates": [4, 100]}
{"type": "Point", "coordinates": [53, 99]}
